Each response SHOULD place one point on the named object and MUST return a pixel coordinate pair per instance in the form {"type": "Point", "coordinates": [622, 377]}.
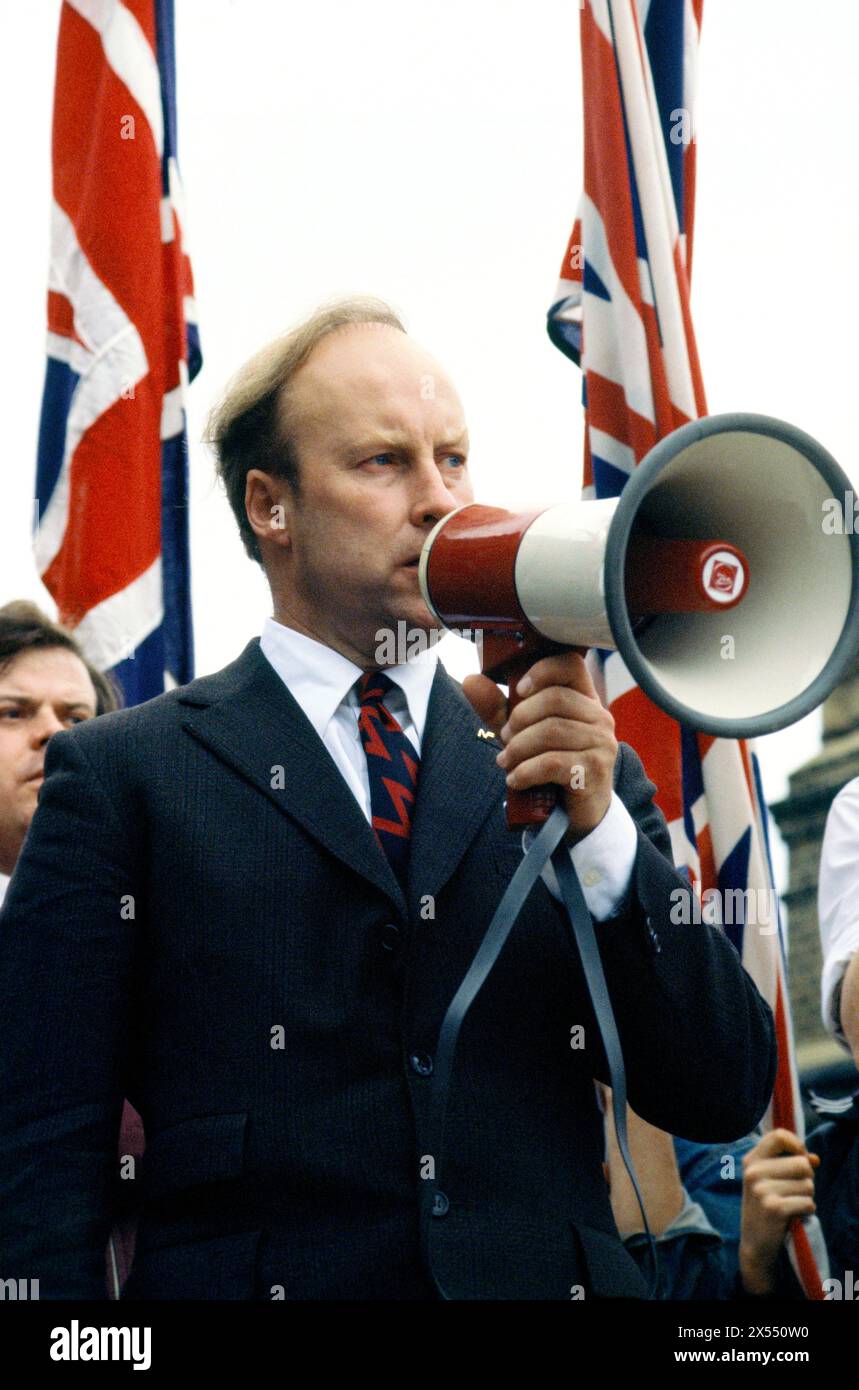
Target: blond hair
{"type": "Point", "coordinates": [250, 426]}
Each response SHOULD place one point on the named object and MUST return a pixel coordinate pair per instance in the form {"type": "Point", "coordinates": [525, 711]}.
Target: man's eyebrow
{"type": "Point", "coordinates": [377, 443]}
{"type": "Point", "coordinates": [10, 697]}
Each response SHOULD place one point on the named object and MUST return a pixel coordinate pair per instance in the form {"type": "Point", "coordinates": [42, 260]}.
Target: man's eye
{"type": "Point", "coordinates": [10, 714]}
{"type": "Point", "coordinates": [458, 459]}
{"type": "Point", "coordinates": [384, 458]}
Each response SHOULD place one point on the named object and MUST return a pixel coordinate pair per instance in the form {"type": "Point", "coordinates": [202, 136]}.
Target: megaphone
{"type": "Point", "coordinates": [726, 574]}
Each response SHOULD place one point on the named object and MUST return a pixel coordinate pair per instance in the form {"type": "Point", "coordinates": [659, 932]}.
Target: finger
{"type": "Point", "coordinates": [486, 700]}
{"type": "Point", "coordinates": [776, 1142]}
{"type": "Point", "coordinates": [552, 767]}
{"type": "Point", "coordinates": [783, 1187]}
{"type": "Point", "coordinates": [565, 668]}
{"type": "Point", "coordinates": [558, 701]}
{"type": "Point", "coordinates": [798, 1166]}
{"type": "Point", "coordinates": [786, 1207]}
{"type": "Point", "coordinates": [549, 736]}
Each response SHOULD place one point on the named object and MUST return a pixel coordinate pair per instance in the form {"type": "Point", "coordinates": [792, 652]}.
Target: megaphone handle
{"type": "Point", "coordinates": [535, 805]}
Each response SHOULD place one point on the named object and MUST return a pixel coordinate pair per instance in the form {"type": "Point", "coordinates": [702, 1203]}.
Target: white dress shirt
{"type": "Point", "coordinates": [838, 899]}
{"type": "Point", "coordinates": [4, 884]}
{"type": "Point", "coordinates": [322, 682]}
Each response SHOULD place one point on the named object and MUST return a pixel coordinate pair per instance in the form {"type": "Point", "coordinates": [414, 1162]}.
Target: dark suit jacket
{"type": "Point", "coordinates": [181, 909]}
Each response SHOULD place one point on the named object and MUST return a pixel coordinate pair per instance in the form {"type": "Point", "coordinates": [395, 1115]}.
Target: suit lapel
{"type": "Point", "coordinates": [247, 717]}
{"type": "Point", "coordinates": [458, 787]}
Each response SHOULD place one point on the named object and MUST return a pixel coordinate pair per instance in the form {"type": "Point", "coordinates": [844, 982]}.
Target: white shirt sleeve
{"type": "Point", "coordinates": [838, 898]}
{"type": "Point", "coordinates": [603, 860]}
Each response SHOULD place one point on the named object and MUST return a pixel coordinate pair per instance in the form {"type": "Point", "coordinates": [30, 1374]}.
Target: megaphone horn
{"type": "Point", "coordinates": [732, 604]}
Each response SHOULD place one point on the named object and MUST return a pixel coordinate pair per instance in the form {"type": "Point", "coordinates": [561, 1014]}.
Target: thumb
{"type": "Point", "coordinates": [486, 700]}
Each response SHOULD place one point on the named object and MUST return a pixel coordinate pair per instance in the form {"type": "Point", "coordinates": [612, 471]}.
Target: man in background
{"type": "Point", "coordinates": [838, 910]}
{"type": "Point", "coordinates": [836, 1141]}
{"type": "Point", "coordinates": [46, 684]}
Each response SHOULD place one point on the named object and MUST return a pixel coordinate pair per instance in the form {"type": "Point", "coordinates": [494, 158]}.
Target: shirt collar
{"type": "Point", "coordinates": [320, 679]}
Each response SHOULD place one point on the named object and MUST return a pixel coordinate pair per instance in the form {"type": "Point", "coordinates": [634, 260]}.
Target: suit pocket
{"type": "Point", "coordinates": [222, 1267]}
{"type": "Point", "coordinates": [611, 1272]}
{"type": "Point", "coordinates": [197, 1151]}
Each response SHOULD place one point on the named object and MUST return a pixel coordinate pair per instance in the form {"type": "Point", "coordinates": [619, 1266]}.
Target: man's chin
{"type": "Point", "coordinates": [411, 610]}
{"type": "Point", "coordinates": [412, 630]}
{"type": "Point", "coordinates": [420, 619]}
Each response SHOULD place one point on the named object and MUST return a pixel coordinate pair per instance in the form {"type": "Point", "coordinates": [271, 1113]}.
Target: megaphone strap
{"type": "Point", "coordinates": [546, 845]}
{"type": "Point", "coordinates": [582, 929]}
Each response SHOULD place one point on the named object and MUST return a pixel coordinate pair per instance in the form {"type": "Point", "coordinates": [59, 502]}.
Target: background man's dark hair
{"type": "Point", "coordinates": [25, 628]}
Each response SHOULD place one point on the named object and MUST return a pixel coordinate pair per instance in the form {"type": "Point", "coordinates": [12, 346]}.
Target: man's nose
{"type": "Point", "coordinates": [45, 725]}
{"type": "Point", "coordinates": [432, 499]}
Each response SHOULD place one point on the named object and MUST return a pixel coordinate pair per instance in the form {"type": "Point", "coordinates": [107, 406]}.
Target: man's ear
{"type": "Point", "coordinates": [268, 503]}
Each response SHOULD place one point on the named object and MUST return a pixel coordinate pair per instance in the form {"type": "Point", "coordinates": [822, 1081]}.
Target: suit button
{"type": "Point", "coordinates": [421, 1062]}
{"type": "Point", "coordinates": [390, 935]}
{"type": "Point", "coordinates": [440, 1204]}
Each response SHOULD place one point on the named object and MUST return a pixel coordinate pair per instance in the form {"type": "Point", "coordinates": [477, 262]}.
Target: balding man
{"type": "Point", "coordinates": [279, 876]}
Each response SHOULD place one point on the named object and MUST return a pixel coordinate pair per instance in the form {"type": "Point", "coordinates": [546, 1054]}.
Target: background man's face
{"type": "Point", "coordinates": [382, 450]}
{"type": "Point", "coordinates": [40, 692]}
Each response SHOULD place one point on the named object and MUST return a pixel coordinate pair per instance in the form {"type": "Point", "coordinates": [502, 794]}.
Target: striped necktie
{"type": "Point", "coordinates": [393, 765]}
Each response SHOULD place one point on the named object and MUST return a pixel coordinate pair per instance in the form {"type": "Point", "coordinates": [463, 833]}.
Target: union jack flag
{"type": "Point", "coordinates": [111, 540]}
{"type": "Point", "coordinates": [621, 312]}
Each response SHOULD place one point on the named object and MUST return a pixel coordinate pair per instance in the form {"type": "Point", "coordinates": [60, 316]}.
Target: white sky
{"type": "Point", "coordinates": [431, 154]}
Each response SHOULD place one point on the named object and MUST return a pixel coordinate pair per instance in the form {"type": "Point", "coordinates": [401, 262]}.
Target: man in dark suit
{"type": "Point", "coordinates": [47, 684]}
{"type": "Point", "coordinates": [247, 904]}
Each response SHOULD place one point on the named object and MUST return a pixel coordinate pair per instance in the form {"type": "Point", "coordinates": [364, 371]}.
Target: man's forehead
{"type": "Point", "coordinates": [50, 673]}
{"type": "Point", "coordinates": [354, 378]}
